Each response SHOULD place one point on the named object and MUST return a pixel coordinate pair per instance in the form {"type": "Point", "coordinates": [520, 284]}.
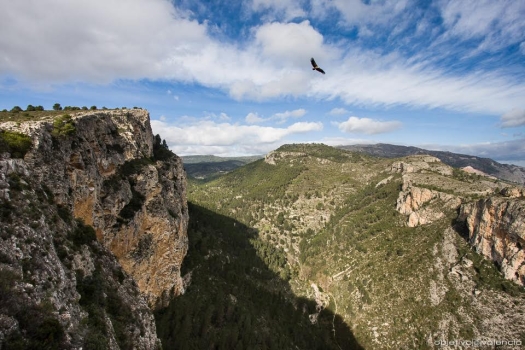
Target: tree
{"type": "Point", "coordinates": [39, 108]}
{"type": "Point", "coordinates": [93, 108]}
{"type": "Point", "coordinates": [57, 107]}
{"type": "Point", "coordinates": [30, 108]}
{"type": "Point", "coordinates": [16, 109]}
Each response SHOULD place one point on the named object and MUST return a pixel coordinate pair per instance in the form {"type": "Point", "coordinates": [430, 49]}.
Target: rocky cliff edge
{"type": "Point", "coordinates": [101, 170]}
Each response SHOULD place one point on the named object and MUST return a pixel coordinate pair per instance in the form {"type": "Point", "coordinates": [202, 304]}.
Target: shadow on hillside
{"type": "Point", "coordinates": [235, 301]}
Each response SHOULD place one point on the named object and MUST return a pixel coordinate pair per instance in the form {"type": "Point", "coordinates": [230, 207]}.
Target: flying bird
{"type": "Point", "coordinates": [316, 67]}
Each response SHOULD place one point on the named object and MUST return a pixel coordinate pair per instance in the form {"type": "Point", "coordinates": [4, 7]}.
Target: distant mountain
{"type": "Point", "coordinates": [206, 167]}
{"type": "Point", "coordinates": [508, 172]}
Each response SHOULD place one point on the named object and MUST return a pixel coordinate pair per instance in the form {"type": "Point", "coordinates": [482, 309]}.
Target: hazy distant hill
{"type": "Point", "coordinates": [205, 167]}
{"type": "Point", "coordinates": [506, 172]}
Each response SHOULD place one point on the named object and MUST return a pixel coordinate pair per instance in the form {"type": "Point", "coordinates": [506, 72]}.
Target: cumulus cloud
{"type": "Point", "coordinates": [153, 39]}
{"type": "Point", "coordinates": [367, 126]}
{"type": "Point", "coordinates": [207, 134]}
{"type": "Point", "coordinates": [253, 118]}
{"type": "Point", "coordinates": [515, 117]}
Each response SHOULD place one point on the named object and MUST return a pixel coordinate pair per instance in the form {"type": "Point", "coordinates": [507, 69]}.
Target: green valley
{"type": "Point", "coordinates": [315, 247]}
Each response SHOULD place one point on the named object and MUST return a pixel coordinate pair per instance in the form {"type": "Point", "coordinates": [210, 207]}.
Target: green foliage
{"type": "Point", "coordinates": [15, 143]}
{"type": "Point", "coordinates": [57, 107]}
{"type": "Point", "coordinates": [82, 234]}
{"type": "Point", "coordinates": [63, 126]}
{"type": "Point", "coordinates": [134, 166]}
{"type": "Point", "coordinates": [99, 295]}
{"type": "Point", "coordinates": [160, 149]}
{"type": "Point", "coordinates": [235, 301]}
{"type": "Point", "coordinates": [16, 109]}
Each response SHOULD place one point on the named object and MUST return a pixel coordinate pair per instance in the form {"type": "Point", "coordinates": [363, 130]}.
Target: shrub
{"type": "Point", "coordinates": [16, 109]}
{"type": "Point", "coordinates": [63, 126]}
{"type": "Point", "coordinates": [15, 143]}
{"type": "Point", "coordinates": [82, 234]}
{"type": "Point", "coordinates": [57, 107]}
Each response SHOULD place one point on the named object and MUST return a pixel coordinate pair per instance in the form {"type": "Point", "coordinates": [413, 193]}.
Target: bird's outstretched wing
{"type": "Point", "coordinates": [316, 67]}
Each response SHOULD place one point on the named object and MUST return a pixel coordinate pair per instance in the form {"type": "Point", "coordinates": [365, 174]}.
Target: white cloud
{"type": "Point", "coordinates": [253, 118]}
{"type": "Point", "coordinates": [151, 39]}
{"type": "Point", "coordinates": [498, 23]}
{"type": "Point", "coordinates": [367, 126]}
{"type": "Point", "coordinates": [290, 43]}
{"type": "Point", "coordinates": [338, 111]}
{"type": "Point", "coordinates": [282, 117]}
{"type": "Point", "coordinates": [288, 9]}
{"type": "Point", "coordinates": [356, 12]}
{"type": "Point", "coordinates": [115, 39]}
{"type": "Point", "coordinates": [207, 134]}
{"type": "Point", "coordinates": [515, 117]}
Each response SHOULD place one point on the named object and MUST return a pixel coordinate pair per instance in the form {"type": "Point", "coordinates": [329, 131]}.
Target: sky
{"type": "Point", "coordinates": [234, 77]}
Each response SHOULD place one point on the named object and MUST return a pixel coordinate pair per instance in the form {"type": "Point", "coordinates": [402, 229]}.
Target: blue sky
{"type": "Point", "coordinates": [234, 77]}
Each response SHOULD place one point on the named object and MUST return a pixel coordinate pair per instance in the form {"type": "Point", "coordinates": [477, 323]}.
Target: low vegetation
{"type": "Point", "coordinates": [17, 144]}
{"type": "Point", "coordinates": [319, 216]}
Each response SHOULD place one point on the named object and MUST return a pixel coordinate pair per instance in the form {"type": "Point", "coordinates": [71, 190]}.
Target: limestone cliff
{"type": "Point", "coordinates": [496, 229]}
{"type": "Point", "coordinates": [106, 170]}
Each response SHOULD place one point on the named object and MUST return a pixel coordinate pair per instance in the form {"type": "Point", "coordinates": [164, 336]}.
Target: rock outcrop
{"type": "Point", "coordinates": [496, 229]}
{"type": "Point", "coordinates": [105, 170]}
{"type": "Point", "coordinates": [423, 205]}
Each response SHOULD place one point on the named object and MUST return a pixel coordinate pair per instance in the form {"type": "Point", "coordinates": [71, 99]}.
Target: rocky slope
{"type": "Point", "coordinates": [496, 229]}
{"type": "Point", "coordinates": [103, 171]}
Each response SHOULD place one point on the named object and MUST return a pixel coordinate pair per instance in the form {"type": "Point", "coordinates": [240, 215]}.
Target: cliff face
{"type": "Point", "coordinates": [496, 228]}
{"type": "Point", "coordinates": [103, 169]}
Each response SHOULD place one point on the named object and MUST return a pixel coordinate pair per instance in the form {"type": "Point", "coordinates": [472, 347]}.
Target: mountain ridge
{"type": "Point", "coordinates": [508, 172]}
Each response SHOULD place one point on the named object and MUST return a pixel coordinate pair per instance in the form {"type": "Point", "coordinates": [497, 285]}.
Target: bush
{"type": "Point", "coordinates": [82, 234]}
{"type": "Point", "coordinates": [57, 107]}
{"type": "Point", "coordinates": [63, 126]}
{"type": "Point", "coordinates": [15, 143]}
{"type": "Point", "coordinates": [16, 109]}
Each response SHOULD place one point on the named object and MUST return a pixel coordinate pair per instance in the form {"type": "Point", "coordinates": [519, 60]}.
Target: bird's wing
{"type": "Point", "coordinates": [319, 70]}
{"type": "Point", "coordinates": [313, 62]}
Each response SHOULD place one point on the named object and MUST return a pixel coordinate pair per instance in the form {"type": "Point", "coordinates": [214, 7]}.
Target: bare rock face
{"type": "Point", "coordinates": [107, 175]}
{"type": "Point", "coordinates": [275, 156]}
{"type": "Point", "coordinates": [423, 205]}
{"type": "Point", "coordinates": [496, 228]}
{"type": "Point", "coordinates": [60, 287]}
